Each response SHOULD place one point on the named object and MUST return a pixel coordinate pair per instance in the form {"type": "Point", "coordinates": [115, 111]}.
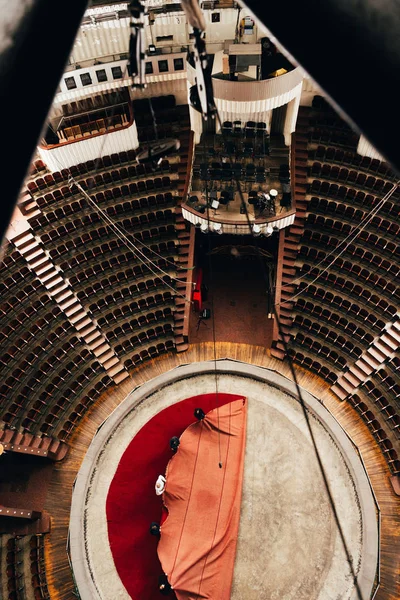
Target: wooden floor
{"type": "Point", "coordinates": [59, 497]}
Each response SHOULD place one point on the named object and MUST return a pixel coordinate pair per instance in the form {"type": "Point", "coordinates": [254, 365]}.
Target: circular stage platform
{"type": "Point", "coordinates": [288, 546]}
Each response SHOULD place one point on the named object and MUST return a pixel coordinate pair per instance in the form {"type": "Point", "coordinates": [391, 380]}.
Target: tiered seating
{"type": "Point", "coordinates": [45, 368]}
{"type": "Point", "coordinates": [37, 567]}
{"type": "Point", "coordinates": [344, 292]}
{"type": "Point", "coordinates": [142, 199]}
{"type": "Point", "coordinates": [23, 567]}
{"type": "Point", "coordinates": [135, 306]}
{"type": "Point", "coordinates": [88, 116]}
{"type": "Point", "coordinates": [378, 420]}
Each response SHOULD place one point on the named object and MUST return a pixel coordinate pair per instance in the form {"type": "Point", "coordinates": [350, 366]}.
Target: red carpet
{"type": "Point", "coordinates": [132, 503]}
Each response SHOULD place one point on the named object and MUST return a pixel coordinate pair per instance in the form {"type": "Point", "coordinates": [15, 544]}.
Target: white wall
{"type": "Point", "coordinates": [72, 153]}
{"type": "Point", "coordinates": [365, 148]}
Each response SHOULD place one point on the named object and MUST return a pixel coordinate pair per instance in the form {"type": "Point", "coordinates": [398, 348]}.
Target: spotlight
{"type": "Point", "coordinates": [256, 230]}
{"type": "Point", "coordinates": [155, 529]}
{"type": "Point", "coordinates": [174, 443]}
{"type": "Point", "coordinates": [217, 227]}
{"type": "Point", "coordinates": [204, 227]}
{"type": "Point", "coordinates": [199, 413]}
{"type": "Point", "coordinates": [269, 231]}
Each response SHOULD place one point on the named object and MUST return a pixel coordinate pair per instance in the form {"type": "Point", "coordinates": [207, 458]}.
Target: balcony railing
{"type": "Point", "coordinates": [243, 91]}
{"type": "Point", "coordinates": [219, 224]}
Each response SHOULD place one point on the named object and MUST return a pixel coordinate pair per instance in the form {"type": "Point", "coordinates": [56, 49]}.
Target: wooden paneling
{"type": "Point", "coordinates": [59, 497]}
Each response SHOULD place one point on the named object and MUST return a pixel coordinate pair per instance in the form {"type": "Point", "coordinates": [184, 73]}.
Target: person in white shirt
{"type": "Point", "coordinates": [160, 485]}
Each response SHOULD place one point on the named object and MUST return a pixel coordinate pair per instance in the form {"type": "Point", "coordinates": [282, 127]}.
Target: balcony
{"type": "Point", "coordinates": [259, 163]}
{"type": "Point", "coordinates": [87, 121]}
{"type": "Point", "coordinates": [89, 117]}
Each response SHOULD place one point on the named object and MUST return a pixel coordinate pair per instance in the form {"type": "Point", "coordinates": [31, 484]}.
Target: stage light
{"type": "Point", "coordinates": [204, 228]}
{"type": "Point", "coordinates": [256, 230]}
{"type": "Point", "coordinates": [155, 529]}
{"type": "Point", "coordinates": [152, 49]}
{"type": "Point", "coordinates": [269, 231]}
{"type": "Point", "coordinates": [199, 413]}
{"type": "Point", "coordinates": [174, 443]}
{"type": "Point", "coordinates": [217, 227]}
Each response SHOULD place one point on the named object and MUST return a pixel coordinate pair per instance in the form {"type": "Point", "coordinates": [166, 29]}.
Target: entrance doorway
{"type": "Point", "coordinates": [236, 289]}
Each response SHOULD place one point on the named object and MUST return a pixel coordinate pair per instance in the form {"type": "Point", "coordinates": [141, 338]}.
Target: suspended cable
{"type": "Point", "coordinates": [298, 390]}
{"type": "Point", "coordinates": [355, 231]}
{"type": "Point", "coordinates": [212, 313]}
{"type": "Point", "coordinates": [91, 186]}
{"type": "Point", "coordinates": [139, 255]}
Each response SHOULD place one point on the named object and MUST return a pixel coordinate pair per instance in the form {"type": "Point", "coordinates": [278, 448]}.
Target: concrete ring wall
{"type": "Point", "coordinates": [83, 494]}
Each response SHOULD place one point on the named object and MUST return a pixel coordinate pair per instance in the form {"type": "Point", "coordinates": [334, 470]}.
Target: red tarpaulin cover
{"type": "Point", "coordinates": [198, 539]}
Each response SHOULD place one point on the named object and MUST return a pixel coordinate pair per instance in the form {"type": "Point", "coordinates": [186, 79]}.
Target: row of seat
{"type": "Point", "coordinates": [364, 237]}
{"type": "Point", "coordinates": [71, 203]}
{"type": "Point", "coordinates": [334, 335]}
{"type": "Point", "coordinates": [354, 215]}
{"type": "Point", "coordinates": [352, 159]}
{"type": "Point", "coordinates": [94, 102]}
{"type": "Point", "coordinates": [377, 431]}
{"type": "Point", "coordinates": [136, 358]}
{"type": "Point", "coordinates": [96, 123]}
{"type": "Point", "coordinates": [350, 194]}
{"type": "Point", "coordinates": [350, 177]}
{"type": "Point", "coordinates": [95, 251]}
{"type": "Point", "coordinates": [369, 320]}
{"type": "Point", "coordinates": [362, 256]}
{"type": "Point", "coordinates": [349, 286]}
{"type": "Point", "coordinates": [89, 223]}
{"type": "Point", "coordinates": [344, 138]}
{"type": "Point", "coordinates": [370, 299]}
{"type": "Point", "coordinates": [61, 407]}
{"type": "Point", "coordinates": [99, 179]}
{"type": "Point", "coordinates": [37, 566]}
{"type": "Point", "coordinates": [128, 340]}
{"type": "Point", "coordinates": [311, 364]}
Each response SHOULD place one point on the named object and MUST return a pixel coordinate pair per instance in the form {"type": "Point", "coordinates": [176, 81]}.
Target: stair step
{"type": "Point", "coordinates": [77, 318]}
{"type": "Point", "coordinates": [339, 391]}
{"type": "Point", "coordinates": [182, 347]}
{"type": "Point", "coordinates": [121, 376]}
{"type": "Point", "coordinates": [110, 362]}
{"type": "Point", "coordinates": [87, 329]}
{"type": "Point", "coordinates": [70, 306]}
{"type": "Point", "coordinates": [63, 294]}
{"type": "Point", "coordinates": [32, 254]}
{"type": "Point", "coordinates": [45, 443]}
{"type": "Point", "coordinates": [103, 352]}
{"type": "Point", "coordinates": [96, 342]}
{"type": "Point", "coordinates": [28, 245]}
{"type": "Point", "coordinates": [50, 276]}
{"type": "Point", "coordinates": [276, 353]}
{"type": "Point", "coordinates": [90, 337]}
{"type": "Point", "coordinates": [119, 368]}
{"type": "Point", "coordinates": [41, 261]}
{"type": "Point", "coordinates": [45, 268]}
{"type": "Point", "coordinates": [57, 281]}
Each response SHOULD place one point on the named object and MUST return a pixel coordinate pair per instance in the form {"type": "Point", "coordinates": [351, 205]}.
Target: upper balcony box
{"type": "Point", "coordinates": [86, 121]}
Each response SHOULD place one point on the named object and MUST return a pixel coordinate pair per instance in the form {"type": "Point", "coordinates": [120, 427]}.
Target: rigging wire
{"type": "Point", "coordinates": [212, 314]}
{"type": "Point", "coordinates": [91, 186]}
{"type": "Point", "coordinates": [356, 231]}
{"type": "Point", "coordinates": [138, 254]}
{"type": "Point", "coordinates": [295, 381]}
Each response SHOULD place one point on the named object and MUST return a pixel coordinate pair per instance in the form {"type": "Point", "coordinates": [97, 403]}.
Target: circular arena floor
{"type": "Point", "coordinates": [288, 546]}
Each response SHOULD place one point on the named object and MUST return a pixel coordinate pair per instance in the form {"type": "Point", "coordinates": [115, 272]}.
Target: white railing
{"type": "Point", "coordinates": [282, 88]}
{"type": "Point", "coordinates": [236, 227]}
